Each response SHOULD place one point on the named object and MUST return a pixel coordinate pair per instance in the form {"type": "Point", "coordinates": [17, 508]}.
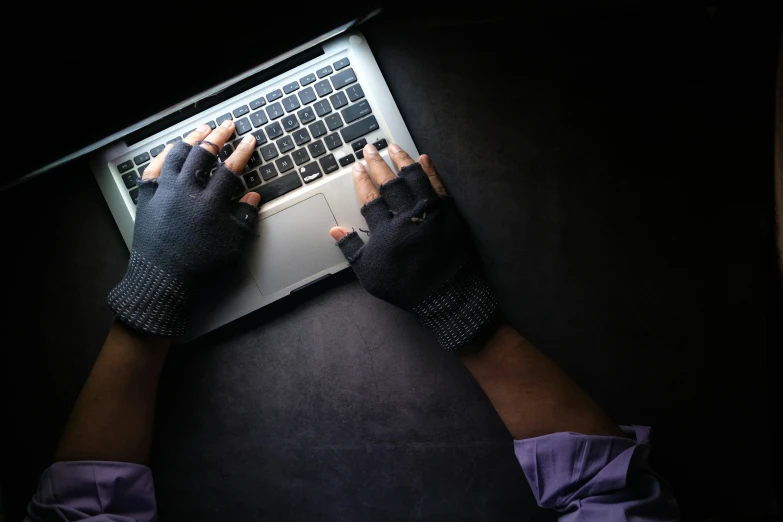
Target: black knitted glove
{"type": "Point", "coordinates": [418, 258]}
{"type": "Point", "coordinates": [186, 226]}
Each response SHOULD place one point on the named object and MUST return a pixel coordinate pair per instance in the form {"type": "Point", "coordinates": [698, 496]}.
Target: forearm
{"type": "Point", "coordinates": [532, 395]}
{"type": "Point", "coordinates": [114, 415]}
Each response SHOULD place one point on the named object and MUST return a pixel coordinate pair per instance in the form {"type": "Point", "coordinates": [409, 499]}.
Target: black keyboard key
{"type": "Point", "coordinates": [317, 129]}
{"type": "Point", "coordinates": [243, 126]}
{"type": "Point", "coordinates": [268, 171]}
{"type": "Point", "coordinates": [316, 148]}
{"type": "Point", "coordinates": [285, 144]}
{"type": "Point", "coordinates": [310, 172]}
{"type": "Point", "coordinates": [359, 154]}
{"type": "Point", "coordinates": [333, 122]}
{"type": "Point", "coordinates": [380, 144]}
{"type": "Point", "coordinates": [307, 80]}
{"type": "Point", "coordinates": [307, 96]}
{"type": "Point", "coordinates": [252, 179]}
{"type": "Point", "coordinates": [212, 124]}
{"type": "Point", "coordinates": [338, 100]}
{"type": "Point", "coordinates": [323, 88]}
{"type": "Point", "coordinates": [129, 178]}
{"type": "Point", "coordinates": [290, 122]}
{"type": "Point", "coordinates": [186, 134]}
{"type": "Point", "coordinates": [359, 145]}
{"type": "Point", "coordinates": [253, 162]}
{"type": "Point", "coordinates": [259, 136]}
{"type": "Point", "coordinates": [325, 71]}
{"type": "Point", "coordinates": [144, 157]}
{"type": "Point", "coordinates": [291, 103]}
{"type": "Point", "coordinates": [328, 164]}
{"type": "Point", "coordinates": [333, 141]}
{"type": "Point", "coordinates": [257, 104]}
{"type": "Point", "coordinates": [301, 136]}
{"type": "Point", "coordinates": [301, 156]}
{"type": "Point", "coordinates": [173, 140]}
{"type": "Point", "coordinates": [274, 111]}
{"type": "Point", "coordinates": [125, 166]}
{"type": "Point", "coordinates": [268, 151]}
{"type": "Point", "coordinates": [340, 80]}
{"type": "Point", "coordinates": [134, 194]}
{"type": "Point", "coordinates": [322, 107]}
{"type": "Point", "coordinates": [347, 160]}
{"type": "Point", "coordinates": [272, 96]}
{"type": "Point", "coordinates": [291, 87]}
{"type": "Point", "coordinates": [354, 92]}
{"type": "Point", "coordinates": [240, 111]}
{"type": "Point", "coordinates": [284, 163]}
{"type": "Point", "coordinates": [306, 115]}
{"type": "Point", "coordinates": [225, 152]}
{"type": "Point", "coordinates": [221, 119]}
{"type": "Point", "coordinates": [341, 64]}
{"type": "Point", "coordinates": [278, 187]}
{"type": "Point", "coordinates": [142, 169]}
{"type": "Point", "coordinates": [157, 150]}
{"type": "Point", "coordinates": [356, 111]}
{"type": "Point", "coordinates": [360, 128]}
{"type": "Point", "coordinates": [258, 119]}
{"type": "Point", "coordinates": [274, 130]}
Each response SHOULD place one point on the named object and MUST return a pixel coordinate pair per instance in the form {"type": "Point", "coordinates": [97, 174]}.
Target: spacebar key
{"type": "Point", "coordinates": [360, 128]}
{"type": "Point", "coordinates": [278, 187]}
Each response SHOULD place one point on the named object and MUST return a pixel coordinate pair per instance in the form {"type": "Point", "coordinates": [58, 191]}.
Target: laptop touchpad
{"type": "Point", "coordinates": [293, 245]}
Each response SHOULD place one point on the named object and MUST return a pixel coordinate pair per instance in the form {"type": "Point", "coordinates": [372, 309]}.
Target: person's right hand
{"type": "Point", "coordinates": [418, 253]}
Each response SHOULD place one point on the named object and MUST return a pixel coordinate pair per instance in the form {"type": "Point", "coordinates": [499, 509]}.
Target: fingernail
{"type": "Point", "coordinates": [424, 160]}
{"type": "Point", "coordinates": [358, 167]}
{"type": "Point", "coordinates": [226, 124]}
{"type": "Point", "coordinates": [394, 148]}
{"type": "Point", "coordinates": [338, 233]}
{"type": "Point", "coordinates": [248, 138]}
{"type": "Point", "coordinates": [370, 149]}
{"type": "Point", "coordinates": [203, 127]}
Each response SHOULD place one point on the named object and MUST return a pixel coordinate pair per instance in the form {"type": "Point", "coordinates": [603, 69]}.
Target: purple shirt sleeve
{"type": "Point", "coordinates": [591, 478]}
{"type": "Point", "coordinates": [94, 491]}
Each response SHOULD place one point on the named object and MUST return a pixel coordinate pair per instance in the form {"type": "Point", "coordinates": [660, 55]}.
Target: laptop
{"type": "Point", "coordinates": [311, 110]}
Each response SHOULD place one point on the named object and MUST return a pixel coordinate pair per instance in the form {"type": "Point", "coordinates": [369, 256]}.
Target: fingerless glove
{"type": "Point", "coordinates": [418, 257]}
{"type": "Point", "coordinates": [186, 227]}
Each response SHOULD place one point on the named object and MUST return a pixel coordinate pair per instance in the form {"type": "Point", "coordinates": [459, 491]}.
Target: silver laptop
{"type": "Point", "coordinates": [311, 122]}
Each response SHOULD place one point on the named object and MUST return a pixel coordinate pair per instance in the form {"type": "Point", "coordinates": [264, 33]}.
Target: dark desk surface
{"type": "Point", "coordinates": [616, 174]}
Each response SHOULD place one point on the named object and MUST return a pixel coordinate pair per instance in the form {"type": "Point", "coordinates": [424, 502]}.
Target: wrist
{"type": "Point", "coordinates": [459, 311]}
{"type": "Point", "coordinates": [151, 300]}
{"type": "Point", "coordinates": [139, 341]}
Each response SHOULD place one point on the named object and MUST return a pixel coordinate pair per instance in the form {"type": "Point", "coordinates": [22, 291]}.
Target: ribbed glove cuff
{"type": "Point", "coordinates": [151, 300]}
{"type": "Point", "coordinates": [459, 310]}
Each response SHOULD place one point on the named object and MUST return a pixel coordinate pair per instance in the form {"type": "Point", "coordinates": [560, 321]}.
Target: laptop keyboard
{"type": "Point", "coordinates": [295, 127]}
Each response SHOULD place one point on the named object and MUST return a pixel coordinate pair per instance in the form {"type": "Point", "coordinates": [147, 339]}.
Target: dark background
{"type": "Point", "coordinates": [615, 168]}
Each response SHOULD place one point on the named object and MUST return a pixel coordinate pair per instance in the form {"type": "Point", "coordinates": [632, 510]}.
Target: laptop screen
{"type": "Point", "coordinates": [87, 79]}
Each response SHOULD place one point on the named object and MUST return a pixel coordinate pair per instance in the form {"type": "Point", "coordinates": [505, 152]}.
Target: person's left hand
{"type": "Point", "coordinates": [187, 225]}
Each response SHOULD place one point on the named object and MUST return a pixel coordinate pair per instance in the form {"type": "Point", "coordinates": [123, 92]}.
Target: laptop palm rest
{"type": "Point", "coordinates": [292, 245]}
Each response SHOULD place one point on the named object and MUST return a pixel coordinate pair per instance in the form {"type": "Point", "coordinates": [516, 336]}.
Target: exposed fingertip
{"type": "Point", "coordinates": [394, 148]}
{"type": "Point", "coordinates": [425, 162]}
{"type": "Point", "coordinates": [338, 233]}
{"type": "Point", "coordinates": [227, 124]}
{"type": "Point", "coordinates": [203, 128]}
{"type": "Point", "coordinates": [251, 198]}
{"type": "Point", "coordinates": [358, 167]}
{"type": "Point", "coordinates": [370, 149]}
